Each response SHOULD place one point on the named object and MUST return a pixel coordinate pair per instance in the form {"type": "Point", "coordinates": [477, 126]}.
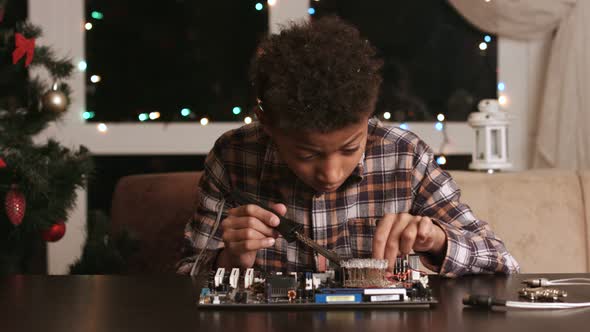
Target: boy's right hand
{"type": "Point", "coordinates": [246, 229]}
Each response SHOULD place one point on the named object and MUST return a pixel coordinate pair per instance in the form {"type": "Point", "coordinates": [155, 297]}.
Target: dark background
{"type": "Point", "coordinates": [433, 63]}
{"type": "Point", "coordinates": [168, 55]}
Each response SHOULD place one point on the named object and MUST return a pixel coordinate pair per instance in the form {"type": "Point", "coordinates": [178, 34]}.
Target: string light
{"type": "Point", "coordinates": [204, 121]}
{"type": "Point", "coordinates": [82, 65]}
{"type": "Point", "coordinates": [102, 127]}
{"type": "Point", "coordinates": [87, 115]}
{"type": "Point", "coordinates": [258, 6]}
{"type": "Point", "coordinates": [143, 117]}
{"type": "Point", "coordinates": [97, 15]}
{"type": "Point", "coordinates": [501, 86]}
{"type": "Point", "coordinates": [154, 115]}
{"type": "Point", "coordinates": [439, 126]}
{"type": "Point", "coordinates": [483, 46]}
{"type": "Point", "coordinates": [487, 38]}
{"type": "Point", "coordinates": [272, 2]}
{"type": "Point", "coordinates": [236, 110]}
{"type": "Point", "coordinates": [441, 160]}
{"type": "Point", "coordinates": [503, 100]}
{"type": "Point", "coordinates": [404, 126]}
{"type": "Point", "coordinates": [440, 117]}
{"type": "Point", "coordinates": [311, 11]}
{"type": "Point", "coordinates": [185, 112]}
{"type": "Point", "coordinates": [88, 26]}
{"type": "Point", "coordinates": [95, 78]}
{"type": "Point", "coordinates": [387, 115]}
{"type": "Point", "coordinates": [247, 120]}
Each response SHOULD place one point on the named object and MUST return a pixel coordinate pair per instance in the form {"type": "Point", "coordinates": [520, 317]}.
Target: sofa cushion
{"type": "Point", "coordinates": [539, 215]}
{"type": "Point", "coordinates": [155, 209]}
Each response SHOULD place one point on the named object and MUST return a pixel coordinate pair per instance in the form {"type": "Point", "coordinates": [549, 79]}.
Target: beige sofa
{"type": "Point", "coordinates": [542, 216]}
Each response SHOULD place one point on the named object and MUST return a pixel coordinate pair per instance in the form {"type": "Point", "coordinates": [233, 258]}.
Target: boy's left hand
{"type": "Point", "coordinates": [398, 234]}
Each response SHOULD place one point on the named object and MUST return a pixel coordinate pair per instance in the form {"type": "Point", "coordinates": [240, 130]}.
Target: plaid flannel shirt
{"type": "Point", "coordinates": [396, 174]}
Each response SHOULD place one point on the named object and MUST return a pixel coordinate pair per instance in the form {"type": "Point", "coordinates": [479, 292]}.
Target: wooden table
{"type": "Point", "coordinates": [167, 303]}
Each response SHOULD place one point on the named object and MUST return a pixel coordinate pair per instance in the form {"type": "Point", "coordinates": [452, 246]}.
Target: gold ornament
{"type": "Point", "coordinates": [54, 101]}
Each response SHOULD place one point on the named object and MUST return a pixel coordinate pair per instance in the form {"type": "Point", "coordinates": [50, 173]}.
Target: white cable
{"type": "Point", "coordinates": [198, 262]}
{"type": "Point", "coordinates": [572, 279]}
{"type": "Point", "coordinates": [546, 305]}
{"type": "Point", "coordinates": [541, 282]}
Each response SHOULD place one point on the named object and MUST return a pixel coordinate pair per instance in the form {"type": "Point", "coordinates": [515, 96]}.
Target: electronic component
{"type": "Point", "coordinates": [414, 265]}
{"type": "Point", "coordinates": [386, 298]}
{"type": "Point", "coordinates": [364, 272]}
{"type": "Point", "coordinates": [248, 278]}
{"type": "Point", "coordinates": [308, 281]}
{"type": "Point", "coordinates": [338, 298]}
{"type": "Point", "coordinates": [357, 281]}
{"type": "Point", "coordinates": [219, 277]}
{"type": "Point", "coordinates": [542, 294]}
{"type": "Point", "coordinates": [280, 285]}
{"type": "Point", "coordinates": [291, 294]}
{"type": "Point", "coordinates": [234, 277]}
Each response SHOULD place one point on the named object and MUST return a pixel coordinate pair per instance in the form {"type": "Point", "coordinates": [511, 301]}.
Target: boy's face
{"type": "Point", "coordinates": [323, 161]}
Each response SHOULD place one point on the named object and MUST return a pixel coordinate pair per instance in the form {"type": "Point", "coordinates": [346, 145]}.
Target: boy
{"type": "Point", "coordinates": [317, 157]}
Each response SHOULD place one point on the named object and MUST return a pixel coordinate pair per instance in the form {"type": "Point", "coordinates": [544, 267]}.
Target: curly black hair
{"type": "Point", "coordinates": [319, 76]}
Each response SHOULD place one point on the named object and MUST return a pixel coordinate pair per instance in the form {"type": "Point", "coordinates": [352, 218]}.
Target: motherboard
{"type": "Point", "coordinates": [356, 283]}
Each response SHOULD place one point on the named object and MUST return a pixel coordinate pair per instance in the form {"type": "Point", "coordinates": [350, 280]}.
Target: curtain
{"type": "Point", "coordinates": [563, 140]}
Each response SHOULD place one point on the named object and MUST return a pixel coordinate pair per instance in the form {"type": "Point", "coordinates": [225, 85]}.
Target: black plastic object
{"type": "Point", "coordinates": [287, 227]}
{"type": "Point", "coordinates": [482, 301]}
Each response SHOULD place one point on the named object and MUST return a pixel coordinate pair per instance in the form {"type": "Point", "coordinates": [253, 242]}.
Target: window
{"type": "Point", "coordinates": [179, 60]}
{"type": "Point", "coordinates": [435, 61]}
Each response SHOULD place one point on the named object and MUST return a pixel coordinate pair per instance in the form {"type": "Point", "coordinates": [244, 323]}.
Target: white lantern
{"type": "Point", "coordinates": [491, 137]}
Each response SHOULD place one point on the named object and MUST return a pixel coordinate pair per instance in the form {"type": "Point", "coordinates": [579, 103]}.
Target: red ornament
{"type": "Point", "coordinates": [24, 47]}
{"type": "Point", "coordinates": [2, 163]}
{"type": "Point", "coordinates": [15, 205]}
{"type": "Point", "coordinates": [55, 232]}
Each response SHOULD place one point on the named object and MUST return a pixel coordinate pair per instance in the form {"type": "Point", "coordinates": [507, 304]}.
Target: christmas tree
{"type": "Point", "coordinates": [38, 181]}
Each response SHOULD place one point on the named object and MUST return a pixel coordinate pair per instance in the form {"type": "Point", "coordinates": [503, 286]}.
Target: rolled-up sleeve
{"type": "Point", "coordinates": [471, 246]}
